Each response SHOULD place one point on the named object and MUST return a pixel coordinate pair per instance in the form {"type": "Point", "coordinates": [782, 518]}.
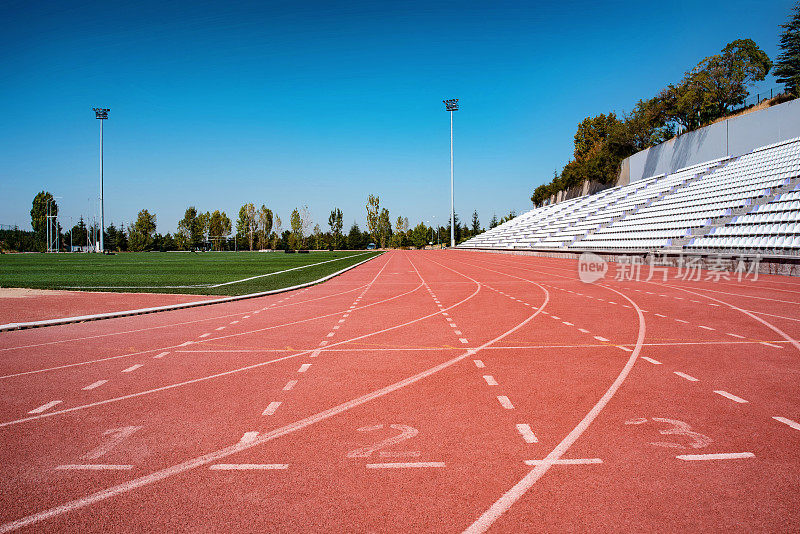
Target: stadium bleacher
{"type": "Point", "coordinates": [742, 204]}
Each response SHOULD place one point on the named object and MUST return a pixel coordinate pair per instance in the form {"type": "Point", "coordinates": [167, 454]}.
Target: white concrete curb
{"type": "Point", "coordinates": [170, 307]}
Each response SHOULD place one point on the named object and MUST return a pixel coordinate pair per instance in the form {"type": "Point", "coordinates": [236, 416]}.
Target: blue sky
{"type": "Point", "coordinates": [215, 104]}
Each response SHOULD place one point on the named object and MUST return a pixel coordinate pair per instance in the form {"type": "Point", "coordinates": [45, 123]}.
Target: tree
{"type": "Point", "coordinates": [277, 226]}
{"type": "Point", "coordinates": [493, 223]}
{"type": "Point", "coordinates": [787, 67]}
{"type": "Point", "coordinates": [476, 223]}
{"type": "Point", "coordinates": [191, 229]}
{"type": "Point", "coordinates": [39, 213]}
{"type": "Point", "coordinates": [141, 232]}
{"type": "Point", "coordinates": [318, 245]}
{"type": "Point", "coordinates": [335, 222]}
{"type": "Point", "coordinates": [219, 227]}
{"type": "Point", "coordinates": [264, 226]}
{"type": "Point", "coordinates": [384, 228]}
{"type": "Point", "coordinates": [246, 224]}
{"type": "Point", "coordinates": [373, 212]}
{"type": "Point", "coordinates": [355, 239]}
{"type": "Point", "coordinates": [296, 237]}
{"type": "Point", "coordinates": [419, 235]}
{"type": "Point", "coordinates": [79, 233]}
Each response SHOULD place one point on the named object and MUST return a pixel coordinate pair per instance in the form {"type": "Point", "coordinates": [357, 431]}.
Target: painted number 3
{"type": "Point", "coordinates": [675, 428]}
{"type": "Point", "coordinates": [406, 432]}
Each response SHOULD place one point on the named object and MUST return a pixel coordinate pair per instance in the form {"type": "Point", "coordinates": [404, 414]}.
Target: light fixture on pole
{"type": "Point", "coordinates": [101, 114]}
{"type": "Point", "coordinates": [451, 106]}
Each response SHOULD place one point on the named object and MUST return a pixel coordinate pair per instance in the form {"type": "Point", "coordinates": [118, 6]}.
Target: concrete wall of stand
{"type": "Point", "coordinates": [731, 137]}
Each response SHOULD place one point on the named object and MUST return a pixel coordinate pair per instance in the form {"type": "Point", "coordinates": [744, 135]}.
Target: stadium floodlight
{"type": "Point", "coordinates": [101, 114]}
{"type": "Point", "coordinates": [451, 106]}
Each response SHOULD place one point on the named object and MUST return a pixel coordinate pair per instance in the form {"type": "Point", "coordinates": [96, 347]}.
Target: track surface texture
{"type": "Point", "coordinates": [430, 391]}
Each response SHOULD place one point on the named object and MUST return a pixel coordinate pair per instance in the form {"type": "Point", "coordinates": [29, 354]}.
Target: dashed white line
{"type": "Point", "coordinates": [504, 402]}
{"type": "Point", "coordinates": [247, 437]}
{"type": "Point", "coordinates": [234, 322]}
{"type": "Point", "coordinates": [583, 330]}
{"type": "Point", "coordinates": [600, 338]}
{"type": "Point", "coordinates": [793, 424]}
{"type": "Point", "coordinates": [132, 368]}
{"type": "Point", "coordinates": [94, 467]}
{"type": "Point", "coordinates": [527, 434]}
{"type": "Point", "coordinates": [247, 467]}
{"type": "Point", "coordinates": [463, 340]}
{"type": "Point", "coordinates": [490, 380]}
{"type": "Point", "coordinates": [716, 456]}
{"type": "Point", "coordinates": [566, 461]}
{"type": "Point", "coordinates": [304, 368]}
{"type": "Point", "coordinates": [186, 343]}
{"type": "Point", "coordinates": [735, 335]}
{"type": "Point", "coordinates": [94, 385]}
{"type": "Point", "coordinates": [220, 328]}
{"type": "Point", "coordinates": [45, 407]}
{"type": "Point", "coordinates": [289, 385]}
{"type": "Point", "coordinates": [682, 321]}
{"type": "Point", "coordinates": [161, 355]}
{"type": "Point", "coordinates": [272, 408]}
{"type": "Point", "coordinates": [651, 360]}
{"type": "Point", "coordinates": [730, 396]}
{"type": "Point", "coordinates": [704, 327]}
{"type": "Point", "coordinates": [770, 345]}
{"type": "Point", "coordinates": [479, 364]}
{"type": "Point", "coordinates": [315, 353]}
{"type": "Point", "coordinates": [567, 323]}
{"type": "Point", "coordinates": [404, 465]}
{"type": "Point", "coordinates": [690, 378]}
{"type": "Point", "coordinates": [330, 334]}
{"type": "Point", "coordinates": [205, 335]}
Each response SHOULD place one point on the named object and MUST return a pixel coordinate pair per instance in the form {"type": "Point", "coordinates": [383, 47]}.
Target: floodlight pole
{"type": "Point", "coordinates": [101, 114]}
{"type": "Point", "coordinates": [451, 106]}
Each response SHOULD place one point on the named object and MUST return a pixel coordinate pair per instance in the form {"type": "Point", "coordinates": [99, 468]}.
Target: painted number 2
{"type": "Point", "coordinates": [406, 432]}
{"type": "Point", "coordinates": [675, 428]}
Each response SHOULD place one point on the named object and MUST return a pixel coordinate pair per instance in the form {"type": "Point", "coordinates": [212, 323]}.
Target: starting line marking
{"type": "Point", "coordinates": [651, 360]}
{"type": "Point", "coordinates": [527, 433]}
{"type": "Point", "coordinates": [718, 456]}
{"type": "Point", "coordinates": [403, 465]}
{"type": "Point", "coordinates": [566, 461]}
{"type": "Point", "coordinates": [730, 396]}
{"type": "Point", "coordinates": [789, 422]}
{"type": "Point", "coordinates": [94, 467]}
{"type": "Point", "coordinates": [161, 355]}
{"type": "Point", "coordinates": [247, 467]}
{"type": "Point", "coordinates": [690, 378]}
{"type": "Point", "coordinates": [272, 408]}
{"type": "Point", "coordinates": [44, 407]}
{"type": "Point", "coordinates": [94, 385]}
{"type": "Point", "coordinates": [504, 402]}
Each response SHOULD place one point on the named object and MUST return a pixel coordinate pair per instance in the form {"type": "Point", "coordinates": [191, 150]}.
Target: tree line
{"type": "Point", "coordinates": [715, 88]}
{"type": "Point", "coordinates": [255, 229]}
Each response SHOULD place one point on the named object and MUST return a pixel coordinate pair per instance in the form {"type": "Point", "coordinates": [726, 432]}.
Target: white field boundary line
{"type": "Point", "coordinates": [248, 367]}
{"type": "Point", "coordinates": [156, 327]}
{"type": "Point", "coordinates": [206, 340]}
{"type": "Point", "coordinates": [510, 497]}
{"type": "Point", "coordinates": [171, 307]}
{"type": "Point", "coordinates": [209, 286]}
{"type": "Point", "coordinates": [217, 455]}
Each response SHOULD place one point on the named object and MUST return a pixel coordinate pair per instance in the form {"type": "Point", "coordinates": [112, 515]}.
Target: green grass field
{"type": "Point", "coordinates": [171, 272]}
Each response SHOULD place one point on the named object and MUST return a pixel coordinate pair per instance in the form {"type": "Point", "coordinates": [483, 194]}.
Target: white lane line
{"type": "Point", "coordinates": [246, 317]}
{"type": "Point", "coordinates": [735, 335]}
{"type": "Point", "coordinates": [717, 456]}
{"type": "Point", "coordinates": [527, 434]}
{"type": "Point", "coordinates": [445, 314]}
{"type": "Point", "coordinates": [566, 461]}
{"type": "Point", "coordinates": [220, 328]}
{"type": "Point", "coordinates": [690, 378]}
{"type": "Point", "coordinates": [600, 338]}
{"type": "Point", "coordinates": [272, 408]}
{"type": "Point", "coordinates": [504, 402]}
{"type": "Point", "coordinates": [186, 343]}
{"type": "Point", "coordinates": [793, 424]}
{"type": "Point", "coordinates": [583, 330]}
{"type": "Point", "coordinates": [479, 364]}
{"type": "Point", "coordinates": [94, 467]}
{"type": "Point", "coordinates": [341, 321]}
{"type": "Point", "coordinates": [704, 327]}
{"type": "Point", "coordinates": [249, 436]}
{"type": "Point", "coordinates": [337, 326]}
{"type": "Point", "coordinates": [404, 465]}
{"type": "Point", "coordinates": [452, 325]}
{"type": "Point", "coordinates": [304, 368]}
{"type": "Point", "coordinates": [682, 321]}
{"type": "Point", "coordinates": [315, 353]}
{"type": "Point", "coordinates": [205, 335]}
{"type": "Point", "coordinates": [626, 349]}
{"type": "Point", "coordinates": [323, 343]}
{"type": "Point", "coordinates": [457, 332]}
{"type": "Point", "coordinates": [490, 381]}
{"type": "Point", "coordinates": [463, 340]}
{"type": "Point", "coordinates": [449, 319]}
{"type": "Point", "coordinates": [45, 407]}
{"type": "Point", "coordinates": [567, 323]}
{"type": "Point", "coordinates": [289, 385]}
{"type": "Point", "coordinates": [771, 345]}
{"type": "Point", "coordinates": [651, 360]}
{"type": "Point", "coordinates": [132, 368]}
{"type": "Point", "coordinates": [659, 315]}
{"type": "Point", "coordinates": [330, 334]}
{"type": "Point", "coordinates": [94, 385]}
{"type": "Point", "coordinates": [160, 354]}
{"type": "Point", "coordinates": [556, 318]}
{"type": "Point", "coordinates": [730, 396]}
{"type": "Point", "coordinates": [346, 315]}
{"type": "Point", "coordinates": [248, 467]}
{"type": "Point", "coordinates": [234, 322]}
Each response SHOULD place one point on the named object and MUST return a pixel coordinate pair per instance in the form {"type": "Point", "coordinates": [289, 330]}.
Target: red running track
{"type": "Point", "coordinates": [423, 391]}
